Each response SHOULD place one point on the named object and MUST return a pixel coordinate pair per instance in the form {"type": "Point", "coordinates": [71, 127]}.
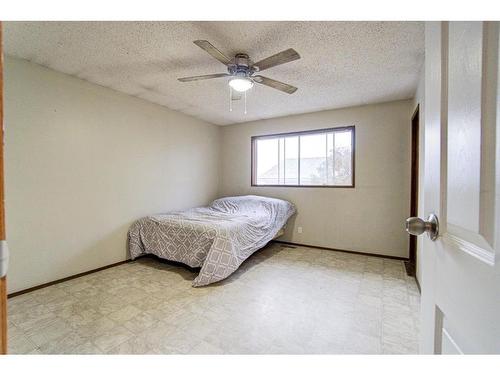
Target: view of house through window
{"type": "Point", "coordinates": [313, 158]}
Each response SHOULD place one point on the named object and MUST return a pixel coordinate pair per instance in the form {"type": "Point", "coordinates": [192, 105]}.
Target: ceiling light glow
{"type": "Point", "coordinates": [241, 84]}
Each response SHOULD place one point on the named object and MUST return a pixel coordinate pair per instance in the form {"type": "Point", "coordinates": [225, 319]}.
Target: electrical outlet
{"type": "Point", "coordinates": [299, 229]}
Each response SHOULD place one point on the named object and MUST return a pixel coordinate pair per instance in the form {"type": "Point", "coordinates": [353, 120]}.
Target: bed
{"type": "Point", "coordinates": [217, 238]}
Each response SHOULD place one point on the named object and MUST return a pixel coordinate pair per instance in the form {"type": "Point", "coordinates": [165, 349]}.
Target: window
{"type": "Point", "coordinates": [311, 158]}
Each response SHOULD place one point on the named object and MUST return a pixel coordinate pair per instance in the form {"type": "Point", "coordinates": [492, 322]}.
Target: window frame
{"type": "Point", "coordinates": [253, 157]}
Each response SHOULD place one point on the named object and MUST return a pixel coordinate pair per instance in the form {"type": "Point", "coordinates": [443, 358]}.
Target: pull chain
{"type": "Point", "coordinates": [231, 100]}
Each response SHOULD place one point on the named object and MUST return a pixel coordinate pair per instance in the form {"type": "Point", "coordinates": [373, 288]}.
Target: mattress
{"type": "Point", "coordinates": [217, 238]}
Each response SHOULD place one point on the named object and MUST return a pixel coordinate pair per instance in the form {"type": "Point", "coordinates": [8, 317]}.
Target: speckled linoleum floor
{"type": "Point", "coordinates": [282, 300]}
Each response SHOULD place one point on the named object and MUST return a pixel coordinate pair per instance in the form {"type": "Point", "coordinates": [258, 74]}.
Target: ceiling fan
{"type": "Point", "coordinates": [242, 69]}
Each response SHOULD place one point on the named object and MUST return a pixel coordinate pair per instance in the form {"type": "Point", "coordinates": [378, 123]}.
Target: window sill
{"type": "Point", "coordinates": [307, 186]}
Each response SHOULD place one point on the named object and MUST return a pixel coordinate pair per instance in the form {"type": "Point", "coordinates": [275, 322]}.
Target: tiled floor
{"type": "Point", "coordinates": [282, 300]}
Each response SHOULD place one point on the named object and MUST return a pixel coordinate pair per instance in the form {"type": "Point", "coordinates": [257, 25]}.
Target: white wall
{"type": "Point", "coordinates": [419, 100]}
{"type": "Point", "coordinates": [368, 218]}
{"type": "Point", "coordinates": [82, 162]}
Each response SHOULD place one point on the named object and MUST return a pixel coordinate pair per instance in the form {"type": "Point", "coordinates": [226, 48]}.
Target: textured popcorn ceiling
{"type": "Point", "coordinates": [343, 63]}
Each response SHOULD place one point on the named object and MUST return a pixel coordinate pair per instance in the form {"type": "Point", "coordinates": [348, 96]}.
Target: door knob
{"type": "Point", "coordinates": [416, 226]}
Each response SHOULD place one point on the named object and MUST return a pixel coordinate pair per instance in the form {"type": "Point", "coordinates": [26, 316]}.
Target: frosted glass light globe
{"type": "Point", "coordinates": [241, 84]}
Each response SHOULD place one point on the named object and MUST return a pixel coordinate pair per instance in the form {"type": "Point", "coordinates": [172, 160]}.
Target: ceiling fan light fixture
{"type": "Point", "coordinates": [241, 84]}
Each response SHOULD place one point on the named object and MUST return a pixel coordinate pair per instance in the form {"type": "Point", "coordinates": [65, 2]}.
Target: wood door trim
{"type": "Point", "coordinates": [3, 281]}
{"type": "Point", "coordinates": [411, 265]}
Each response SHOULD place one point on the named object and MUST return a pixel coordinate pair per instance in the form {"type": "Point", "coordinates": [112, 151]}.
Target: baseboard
{"type": "Point", "coordinates": [341, 250]}
{"type": "Point", "coordinates": [66, 279]}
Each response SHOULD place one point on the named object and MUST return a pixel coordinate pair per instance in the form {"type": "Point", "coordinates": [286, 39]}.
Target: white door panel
{"type": "Point", "coordinates": [449, 346]}
{"type": "Point", "coordinates": [464, 125]}
{"type": "Point", "coordinates": [460, 271]}
{"type": "Point", "coordinates": [467, 217]}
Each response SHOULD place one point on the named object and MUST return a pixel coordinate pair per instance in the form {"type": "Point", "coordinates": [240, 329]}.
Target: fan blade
{"type": "Point", "coordinates": [199, 78]}
{"type": "Point", "coordinates": [214, 52]}
{"type": "Point", "coordinates": [280, 58]}
{"type": "Point", "coordinates": [289, 89]}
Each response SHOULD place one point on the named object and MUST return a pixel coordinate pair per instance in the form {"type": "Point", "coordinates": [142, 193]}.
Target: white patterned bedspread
{"type": "Point", "coordinates": [217, 238]}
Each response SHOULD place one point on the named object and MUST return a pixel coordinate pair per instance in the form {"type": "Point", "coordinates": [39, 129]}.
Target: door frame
{"type": "Point", "coordinates": [3, 280]}
{"type": "Point", "coordinates": [411, 264]}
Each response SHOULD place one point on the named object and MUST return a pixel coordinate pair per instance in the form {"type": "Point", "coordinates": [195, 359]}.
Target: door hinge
{"type": "Point", "coordinates": [4, 258]}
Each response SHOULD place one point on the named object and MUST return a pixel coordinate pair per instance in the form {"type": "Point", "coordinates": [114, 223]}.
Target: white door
{"type": "Point", "coordinates": [461, 268]}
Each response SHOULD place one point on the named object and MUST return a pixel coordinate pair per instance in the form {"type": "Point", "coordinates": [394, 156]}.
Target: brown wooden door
{"type": "Point", "coordinates": [3, 280]}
